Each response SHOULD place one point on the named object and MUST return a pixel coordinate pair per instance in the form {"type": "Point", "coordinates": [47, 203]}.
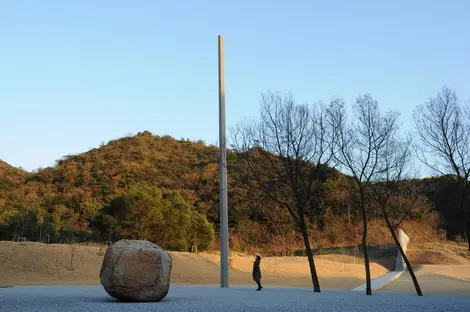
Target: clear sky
{"type": "Point", "coordinates": [76, 73]}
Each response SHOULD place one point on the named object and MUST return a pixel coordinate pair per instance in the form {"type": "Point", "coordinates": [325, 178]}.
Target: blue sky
{"type": "Point", "coordinates": [76, 73]}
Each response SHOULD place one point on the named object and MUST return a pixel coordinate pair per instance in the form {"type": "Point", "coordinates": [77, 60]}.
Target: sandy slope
{"type": "Point", "coordinates": [439, 272]}
{"type": "Point", "coordinates": [435, 279]}
{"type": "Point", "coordinates": [298, 266]}
{"type": "Point", "coordinates": [40, 264]}
{"type": "Point", "coordinates": [435, 257]}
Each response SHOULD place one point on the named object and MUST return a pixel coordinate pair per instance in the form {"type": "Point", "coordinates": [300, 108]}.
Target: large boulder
{"type": "Point", "coordinates": [136, 270]}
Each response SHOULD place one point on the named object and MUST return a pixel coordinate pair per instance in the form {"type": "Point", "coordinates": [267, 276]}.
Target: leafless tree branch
{"type": "Point", "coordinates": [443, 129]}
{"type": "Point", "coordinates": [283, 153]}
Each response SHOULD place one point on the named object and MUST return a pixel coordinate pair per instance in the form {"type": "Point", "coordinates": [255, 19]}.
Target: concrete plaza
{"type": "Point", "coordinates": [210, 298]}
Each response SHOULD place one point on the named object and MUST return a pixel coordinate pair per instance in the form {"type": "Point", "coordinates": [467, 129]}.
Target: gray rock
{"type": "Point", "coordinates": [136, 270]}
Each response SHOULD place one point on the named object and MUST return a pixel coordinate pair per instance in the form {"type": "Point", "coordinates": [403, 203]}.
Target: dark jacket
{"type": "Point", "coordinates": [256, 271]}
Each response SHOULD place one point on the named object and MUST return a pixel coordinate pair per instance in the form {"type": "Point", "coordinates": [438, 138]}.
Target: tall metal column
{"type": "Point", "coordinates": [223, 171]}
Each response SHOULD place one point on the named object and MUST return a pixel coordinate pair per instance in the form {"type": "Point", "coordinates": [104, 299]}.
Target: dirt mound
{"type": "Point", "coordinates": [298, 266]}
{"type": "Point", "coordinates": [424, 256]}
{"type": "Point", "coordinates": [461, 272]}
{"type": "Point", "coordinates": [55, 264]}
{"type": "Point", "coordinates": [35, 263]}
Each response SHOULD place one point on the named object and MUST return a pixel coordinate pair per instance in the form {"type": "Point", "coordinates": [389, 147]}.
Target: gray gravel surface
{"type": "Point", "coordinates": [210, 298]}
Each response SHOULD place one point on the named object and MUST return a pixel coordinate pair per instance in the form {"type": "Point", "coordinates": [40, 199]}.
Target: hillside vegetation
{"type": "Point", "coordinates": [11, 180]}
{"type": "Point", "coordinates": [166, 190]}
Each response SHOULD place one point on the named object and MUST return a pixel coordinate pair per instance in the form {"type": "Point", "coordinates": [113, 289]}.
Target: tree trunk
{"type": "Point", "coordinates": [467, 230]}
{"type": "Point", "coordinates": [463, 208]}
{"type": "Point", "coordinates": [349, 214]}
{"type": "Point", "coordinates": [364, 245]}
{"type": "Point", "coordinates": [402, 252]}
{"type": "Point", "coordinates": [311, 262]}
{"type": "Point", "coordinates": [40, 232]}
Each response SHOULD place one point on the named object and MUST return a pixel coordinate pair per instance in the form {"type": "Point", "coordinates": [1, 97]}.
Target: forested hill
{"type": "Point", "coordinates": [128, 187]}
{"type": "Point", "coordinates": [81, 195]}
{"type": "Point", "coordinates": [103, 172]}
{"type": "Point", "coordinates": [442, 193]}
{"type": "Point", "coordinates": [11, 179]}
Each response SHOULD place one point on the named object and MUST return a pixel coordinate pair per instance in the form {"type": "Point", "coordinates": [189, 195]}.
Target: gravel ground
{"type": "Point", "coordinates": [208, 298]}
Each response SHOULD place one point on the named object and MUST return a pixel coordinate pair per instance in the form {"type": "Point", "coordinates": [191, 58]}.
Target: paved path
{"type": "Point", "coordinates": [380, 282]}
{"type": "Point", "coordinates": [207, 298]}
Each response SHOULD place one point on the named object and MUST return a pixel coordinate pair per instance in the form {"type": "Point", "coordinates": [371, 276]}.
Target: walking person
{"type": "Point", "coordinates": [257, 273]}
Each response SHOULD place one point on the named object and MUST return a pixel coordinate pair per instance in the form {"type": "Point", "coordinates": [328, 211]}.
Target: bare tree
{"type": "Point", "coordinates": [283, 154]}
{"type": "Point", "coordinates": [72, 256]}
{"type": "Point", "coordinates": [393, 166]}
{"type": "Point", "coordinates": [443, 128]}
{"type": "Point", "coordinates": [359, 145]}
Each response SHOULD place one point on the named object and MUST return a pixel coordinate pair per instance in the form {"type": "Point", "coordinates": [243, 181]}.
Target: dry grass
{"type": "Point", "coordinates": [445, 245]}
{"type": "Point", "coordinates": [435, 279]}
{"type": "Point", "coordinates": [326, 266]}
{"type": "Point", "coordinates": [439, 257]}
{"type": "Point", "coordinates": [461, 272]}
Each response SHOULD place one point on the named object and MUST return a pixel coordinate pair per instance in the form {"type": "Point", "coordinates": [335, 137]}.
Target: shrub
{"type": "Point", "coordinates": [159, 215]}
